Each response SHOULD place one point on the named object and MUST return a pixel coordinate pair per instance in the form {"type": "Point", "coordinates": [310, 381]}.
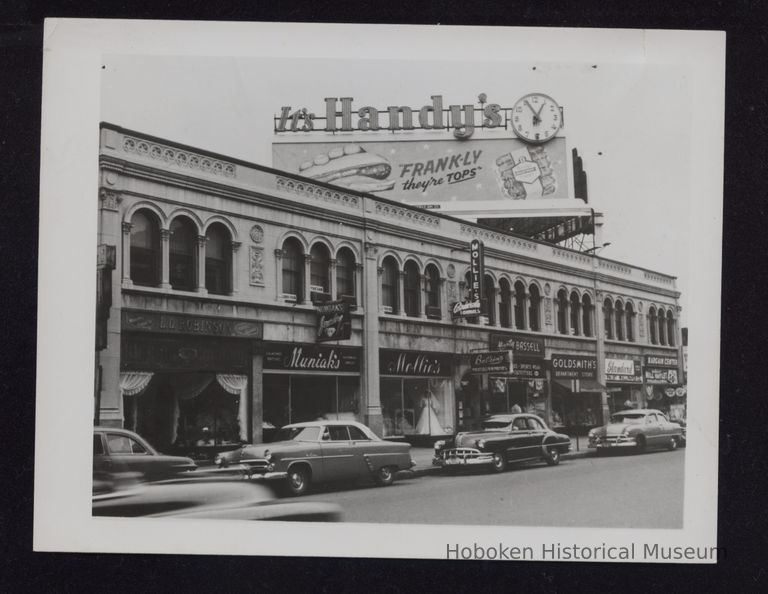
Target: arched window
{"type": "Point", "coordinates": [534, 308]}
{"type": "Point", "coordinates": [575, 311]}
{"type": "Point", "coordinates": [505, 310]}
{"type": "Point", "coordinates": [619, 314]}
{"type": "Point", "coordinates": [520, 306]}
{"type": "Point", "coordinates": [411, 288]}
{"type": "Point", "coordinates": [389, 288]}
{"type": "Point", "coordinates": [652, 325]}
{"type": "Point", "coordinates": [218, 260]}
{"type": "Point", "coordinates": [319, 267]}
{"type": "Point", "coordinates": [562, 310]}
{"type": "Point", "coordinates": [608, 317]}
{"type": "Point", "coordinates": [146, 253]}
{"type": "Point", "coordinates": [586, 315]}
{"type": "Point", "coordinates": [489, 299]}
{"type": "Point", "coordinates": [629, 313]}
{"type": "Point", "coordinates": [345, 274]}
{"type": "Point", "coordinates": [433, 291]}
{"type": "Point", "coordinates": [293, 269]}
{"type": "Point", "coordinates": [670, 329]}
{"type": "Point", "coordinates": [662, 322]}
{"type": "Point", "coordinates": [183, 254]}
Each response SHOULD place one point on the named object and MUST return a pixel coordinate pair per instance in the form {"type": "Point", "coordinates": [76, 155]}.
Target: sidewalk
{"type": "Point", "coordinates": [423, 456]}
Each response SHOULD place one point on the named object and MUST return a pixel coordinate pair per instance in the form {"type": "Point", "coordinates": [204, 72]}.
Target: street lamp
{"type": "Point", "coordinates": [597, 247]}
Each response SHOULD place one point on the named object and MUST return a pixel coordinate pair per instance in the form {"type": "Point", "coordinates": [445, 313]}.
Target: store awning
{"type": "Point", "coordinates": [584, 385]}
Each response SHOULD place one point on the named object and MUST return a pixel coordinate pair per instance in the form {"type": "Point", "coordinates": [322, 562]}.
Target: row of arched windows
{"type": "Point", "coordinates": [334, 277]}
{"type": "Point", "coordinates": [661, 326]}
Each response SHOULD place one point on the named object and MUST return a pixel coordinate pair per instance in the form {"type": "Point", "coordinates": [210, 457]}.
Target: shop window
{"type": "Point", "coordinates": [389, 287]}
{"type": "Point", "coordinates": [652, 325]}
{"type": "Point", "coordinates": [662, 325]}
{"type": "Point", "coordinates": [629, 314]}
{"type": "Point", "coordinates": [505, 309]}
{"type": "Point", "coordinates": [293, 269]}
{"type": "Point", "coordinates": [183, 254]}
{"type": "Point", "coordinates": [670, 329]}
{"type": "Point", "coordinates": [146, 253]}
{"type": "Point", "coordinates": [608, 318]}
{"type": "Point", "coordinates": [574, 313]}
{"type": "Point", "coordinates": [586, 315]}
{"type": "Point", "coordinates": [218, 260]}
{"type": "Point", "coordinates": [432, 292]}
{"type": "Point", "coordinates": [534, 309]}
{"type": "Point", "coordinates": [489, 298]}
{"type": "Point", "coordinates": [345, 274]}
{"type": "Point", "coordinates": [562, 312]}
{"type": "Point", "coordinates": [319, 268]}
{"type": "Point", "coordinates": [620, 323]}
{"type": "Point", "coordinates": [520, 305]}
{"type": "Point", "coordinates": [411, 288]}
{"type": "Point", "coordinates": [416, 406]}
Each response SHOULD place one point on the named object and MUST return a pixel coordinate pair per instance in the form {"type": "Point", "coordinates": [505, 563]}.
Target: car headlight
{"type": "Point", "coordinates": [267, 455]}
{"type": "Point", "coordinates": [591, 433]}
{"type": "Point", "coordinates": [439, 444]}
{"type": "Point", "coordinates": [625, 430]}
{"type": "Point", "coordinates": [218, 460]}
{"type": "Point", "coordinates": [480, 443]}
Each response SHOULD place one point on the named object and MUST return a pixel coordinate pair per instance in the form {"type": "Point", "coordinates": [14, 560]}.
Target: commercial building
{"type": "Point", "coordinates": [209, 327]}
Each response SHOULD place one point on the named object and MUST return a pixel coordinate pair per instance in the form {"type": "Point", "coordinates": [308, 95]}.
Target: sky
{"type": "Point", "coordinates": [630, 122]}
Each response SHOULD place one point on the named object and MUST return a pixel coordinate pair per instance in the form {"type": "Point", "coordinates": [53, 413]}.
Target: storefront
{"type": "Point", "coordinates": [186, 381]}
{"type": "Point", "coordinates": [307, 382]}
{"type": "Point", "coordinates": [663, 388]}
{"type": "Point", "coordinates": [524, 389]}
{"type": "Point", "coordinates": [416, 391]}
{"type": "Point", "coordinates": [624, 382]}
{"type": "Point", "coordinates": [576, 393]}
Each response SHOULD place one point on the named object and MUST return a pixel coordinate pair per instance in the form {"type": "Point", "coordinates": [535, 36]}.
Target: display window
{"type": "Point", "coordinates": [510, 395]}
{"type": "Point", "coordinates": [416, 406]}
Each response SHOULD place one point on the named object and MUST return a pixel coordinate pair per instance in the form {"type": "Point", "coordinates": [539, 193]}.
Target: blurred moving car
{"type": "Point", "coordinates": [319, 452]}
{"type": "Point", "coordinates": [504, 439]}
{"type": "Point", "coordinates": [203, 494]}
{"type": "Point", "coordinates": [637, 429]}
{"type": "Point", "coordinates": [125, 449]}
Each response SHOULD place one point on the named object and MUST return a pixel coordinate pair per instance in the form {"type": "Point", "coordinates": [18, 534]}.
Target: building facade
{"type": "Point", "coordinates": [209, 331]}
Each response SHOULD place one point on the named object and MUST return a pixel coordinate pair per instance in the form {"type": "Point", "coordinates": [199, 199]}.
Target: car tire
{"type": "Point", "coordinates": [499, 462]}
{"type": "Point", "coordinates": [298, 480]}
{"type": "Point", "coordinates": [384, 476]}
{"type": "Point", "coordinates": [640, 444]}
{"type": "Point", "coordinates": [673, 443]}
{"type": "Point", "coordinates": [551, 455]}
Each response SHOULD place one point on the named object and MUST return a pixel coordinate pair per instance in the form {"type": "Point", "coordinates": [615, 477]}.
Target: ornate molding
{"type": "Point", "coordinates": [236, 245]}
{"type": "Point", "coordinates": [507, 240]}
{"type": "Point", "coordinates": [310, 190]}
{"type": "Point", "coordinates": [127, 227]}
{"type": "Point", "coordinates": [615, 267]}
{"type": "Point", "coordinates": [407, 214]}
{"type": "Point", "coordinates": [572, 256]}
{"type": "Point", "coordinates": [658, 278]}
{"type": "Point", "coordinates": [256, 266]}
{"type": "Point", "coordinates": [182, 158]}
{"type": "Point", "coordinates": [109, 200]}
{"type": "Point", "coordinates": [257, 234]}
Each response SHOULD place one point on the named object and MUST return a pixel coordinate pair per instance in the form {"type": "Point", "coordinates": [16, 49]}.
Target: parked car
{"type": "Point", "coordinates": [637, 429]}
{"type": "Point", "coordinates": [203, 494]}
{"type": "Point", "coordinates": [320, 452]}
{"type": "Point", "coordinates": [504, 439]}
{"type": "Point", "coordinates": [125, 449]}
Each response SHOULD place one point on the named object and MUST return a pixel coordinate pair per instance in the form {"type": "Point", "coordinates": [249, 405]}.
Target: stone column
{"type": "Point", "coordinates": [422, 297]}
{"type": "Point", "coordinates": [332, 279]}
{"type": "Point", "coordinates": [380, 300]}
{"type": "Point", "coordinates": [579, 313]}
{"type": "Point", "coordinates": [358, 284]}
{"type": "Point", "coordinates": [257, 397]}
{"type": "Point", "coordinates": [127, 253]}
{"type": "Point", "coordinates": [165, 266]}
{"type": "Point", "coordinates": [600, 354]}
{"type": "Point", "coordinates": [526, 306]}
{"type": "Point", "coordinates": [279, 274]}
{"type": "Point", "coordinates": [307, 279]}
{"type": "Point", "coordinates": [234, 267]}
{"type": "Point", "coordinates": [371, 403]}
{"type": "Point", "coordinates": [401, 292]}
{"type": "Point", "coordinates": [201, 239]}
{"type": "Point", "coordinates": [443, 299]}
{"type": "Point", "coordinates": [497, 304]}
{"type": "Point", "coordinates": [493, 306]}
{"type": "Point", "coordinates": [513, 307]}
{"type": "Point", "coordinates": [567, 316]}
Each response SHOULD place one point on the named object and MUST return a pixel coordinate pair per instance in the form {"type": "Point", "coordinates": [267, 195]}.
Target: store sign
{"type": "Point", "coordinates": [141, 321]}
{"type": "Point", "coordinates": [476, 270]}
{"type": "Point", "coordinates": [528, 369]}
{"type": "Point", "coordinates": [661, 375]}
{"type": "Point", "coordinates": [574, 367]}
{"type": "Point", "coordinates": [518, 344]}
{"type": "Point", "coordinates": [417, 364]}
{"type": "Point", "coordinates": [147, 352]}
{"type": "Point", "coordinates": [491, 362]}
{"type": "Point", "coordinates": [465, 309]}
{"type": "Point", "coordinates": [299, 357]}
{"type": "Point", "coordinates": [619, 369]}
{"type": "Point", "coordinates": [661, 361]}
{"type": "Point", "coordinates": [334, 321]}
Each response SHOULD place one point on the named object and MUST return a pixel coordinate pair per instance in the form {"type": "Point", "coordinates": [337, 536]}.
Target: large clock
{"type": "Point", "coordinates": [536, 118]}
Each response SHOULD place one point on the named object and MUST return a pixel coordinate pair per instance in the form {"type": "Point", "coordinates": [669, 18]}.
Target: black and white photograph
{"type": "Point", "coordinates": [430, 290]}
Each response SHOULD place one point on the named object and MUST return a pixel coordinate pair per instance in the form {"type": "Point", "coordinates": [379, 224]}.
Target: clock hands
{"type": "Point", "coordinates": [536, 118]}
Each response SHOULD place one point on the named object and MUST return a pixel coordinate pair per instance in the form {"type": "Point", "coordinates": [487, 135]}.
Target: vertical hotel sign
{"type": "Point", "coordinates": [472, 307]}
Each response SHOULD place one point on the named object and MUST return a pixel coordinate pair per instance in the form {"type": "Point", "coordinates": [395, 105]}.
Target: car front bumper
{"type": "Point", "coordinates": [612, 442]}
{"type": "Point", "coordinates": [462, 457]}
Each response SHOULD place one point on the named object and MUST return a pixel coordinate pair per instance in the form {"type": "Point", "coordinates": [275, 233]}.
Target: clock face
{"type": "Point", "coordinates": [536, 118]}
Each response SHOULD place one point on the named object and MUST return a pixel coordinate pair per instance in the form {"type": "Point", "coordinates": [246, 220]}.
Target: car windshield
{"type": "Point", "coordinates": [628, 419]}
{"type": "Point", "coordinates": [493, 425]}
{"type": "Point", "coordinates": [298, 434]}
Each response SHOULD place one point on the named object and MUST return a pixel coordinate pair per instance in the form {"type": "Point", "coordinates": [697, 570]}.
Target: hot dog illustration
{"type": "Point", "coordinates": [352, 167]}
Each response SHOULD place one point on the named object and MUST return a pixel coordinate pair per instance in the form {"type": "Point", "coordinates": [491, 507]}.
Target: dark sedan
{"type": "Point", "coordinates": [504, 439]}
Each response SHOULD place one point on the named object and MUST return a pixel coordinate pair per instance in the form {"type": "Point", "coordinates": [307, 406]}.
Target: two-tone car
{"type": "Point", "coordinates": [504, 439]}
{"type": "Point", "coordinates": [321, 452]}
{"type": "Point", "coordinates": [636, 430]}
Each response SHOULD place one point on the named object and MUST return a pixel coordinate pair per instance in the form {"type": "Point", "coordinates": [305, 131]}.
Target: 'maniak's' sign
{"type": "Point", "coordinates": [302, 357]}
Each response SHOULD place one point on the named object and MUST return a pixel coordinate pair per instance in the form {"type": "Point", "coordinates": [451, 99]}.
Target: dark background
{"type": "Point", "coordinates": [742, 497]}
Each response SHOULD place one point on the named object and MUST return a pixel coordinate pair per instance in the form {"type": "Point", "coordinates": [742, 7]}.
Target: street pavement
{"type": "Point", "coordinates": [617, 491]}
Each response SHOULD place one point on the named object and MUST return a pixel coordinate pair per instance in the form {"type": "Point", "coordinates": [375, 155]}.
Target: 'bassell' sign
{"type": "Point", "coordinates": [574, 367]}
{"type": "Point", "coordinates": [491, 362]}
{"type": "Point", "coordinates": [523, 346]}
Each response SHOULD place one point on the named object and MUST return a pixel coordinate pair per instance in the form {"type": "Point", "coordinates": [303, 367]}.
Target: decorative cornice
{"type": "Point", "coordinates": [507, 240]}
{"type": "Point", "coordinates": [572, 256]}
{"type": "Point", "coordinates": [407, 214]}
{"type": "Point", "coordinates": [310, 190]}
{"type": "Point", "coordinates": [659, 278]}
{"type": "Point", "coordinates": [615, 267]}
{"type": "Point", "coordinates": [181, 158]}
